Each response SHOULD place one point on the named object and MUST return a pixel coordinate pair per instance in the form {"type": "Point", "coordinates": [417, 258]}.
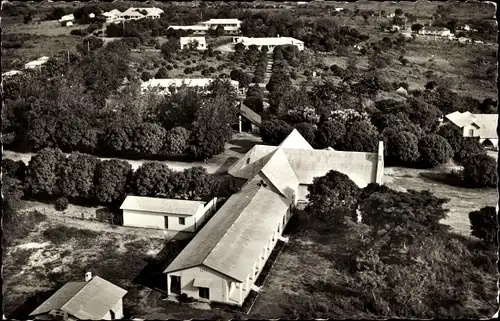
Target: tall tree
{"type": "Point", "coordinates": [112, 177]}
{"type": "Point", "coordinates": [77, 176]}
{"type": "Point", "coordinates": [43, 172]}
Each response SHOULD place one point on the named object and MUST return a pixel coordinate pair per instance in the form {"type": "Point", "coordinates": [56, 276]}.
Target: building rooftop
{"type": "Point", "coordinates": [222, 21]}
{"type": "Point", "coordinates": [84, 300]}
{"type": "Point", "coordinates": [161, 205]}
{"type": "Point", "coordinates": [270, 41]}
{"type": "Point", "coordinates": [487, 123]}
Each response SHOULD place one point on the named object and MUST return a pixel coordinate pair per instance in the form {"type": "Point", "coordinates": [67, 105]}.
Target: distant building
{"type": "Point", "coordinates": [68, 17]}
{"type": "Point", "coordinates": [162, 213]}
{"type": "Point", "coordinates": [226, 23]}
{"type": "Point", "coordinates": [94, 299]}
{"type": "Point", "coordinates": [186, 41]}
{"type": "Point", "coordinates": [11, 73]}
{"type": "Point", "coordinates": [195, 29]}
{"type": "Point", "coordinates": [164, 86]}
{"type": "Point", "coordinates": [435, 31]}
{"type": "Point", "coordinates": [483, 126]}
{"type": "Point", "coordinates": [402, 91]}
{"type": "Point", "coordinates": [36, 63]}
{"type": "Point", "coordinates": [270, 42]}
{"type": "Point", "coordinates": [69, 23]}
{"type": "Point", "coordinates": [113, 16]}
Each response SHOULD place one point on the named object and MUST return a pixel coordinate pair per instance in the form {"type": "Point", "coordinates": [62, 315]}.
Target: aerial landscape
{"type": "Point", "coordinates": [249, 160]}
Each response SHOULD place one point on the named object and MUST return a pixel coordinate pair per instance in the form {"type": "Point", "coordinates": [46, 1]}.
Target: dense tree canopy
{"type": "Point", "coordinates": [484, 225]}
{"type": "Point", "coordinates": [434, 150]}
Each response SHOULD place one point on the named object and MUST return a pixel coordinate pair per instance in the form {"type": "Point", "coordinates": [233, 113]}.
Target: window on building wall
{"type": "Point", "coordinates": [204, 293]}
{"type": "Point", "coordinates": [182, 221]}
{"type": "Point", "coordinates": [471, 132]}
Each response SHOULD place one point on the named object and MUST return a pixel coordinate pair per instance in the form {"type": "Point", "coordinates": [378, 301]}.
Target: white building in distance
{"type": "Point", "coordinates": [164, 86]}
{"type": "Point", "coordinates": [68, 17]}
{"type": "Point", "coordinates": [36, 63]}
{"type": "Point", "coordinates": [270, 42]}
{"type": "Point", "coordinates": [483, 126]}
{"type": "Point", "coordinates": [168, 214]}
{"type": "Point", "coordinates": [200, 41]}
{"type": "Point", "coordinates": [196, 29]}
{"type": "Point", "coordinates": [231, 26]}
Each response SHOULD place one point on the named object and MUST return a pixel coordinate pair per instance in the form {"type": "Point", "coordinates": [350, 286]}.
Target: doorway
{"type": "Point", "coordinates": [175, 284]}
{"type": "Point", "coordinates": [166, 221]}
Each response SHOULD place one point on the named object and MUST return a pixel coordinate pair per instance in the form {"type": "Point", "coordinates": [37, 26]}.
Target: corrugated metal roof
{"type": "Point", "coordinates": [84, 300]}
{"type": "Point", "coordinates": [460, 119]}
{"type": "Point", "coordinates": [240, 247]}
{"type": "Point", "coordinates": [295, 140]}
{"type": "Point", "coordinates": [161, 205]}
{"type": "Point", "coordinates": [58, 299]}
{"type": "Point", "coordinates": [201, 282]}
{"type": "Point", "coordinates": [94, 300]}
{"type": "Point", "coordinates": [196, 252]}
{"type": "Point", "coordinates": [249, 114]}
{"type": "Point", "coordinates": [280, 174]}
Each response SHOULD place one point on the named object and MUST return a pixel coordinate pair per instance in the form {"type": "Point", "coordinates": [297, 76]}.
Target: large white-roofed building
{"type": "Point", "coordinates": [223, 261]}
{"type": "Point", "coordinates": [36, 63]}
{"type": "Point", "coordinates": [231, 26]}
{"type": "Point", "coordinates": [164, 86]}
{"type": "Point", "coordinates": [270, 42]}
{"type": "Point", "coordinates": [162, 213]}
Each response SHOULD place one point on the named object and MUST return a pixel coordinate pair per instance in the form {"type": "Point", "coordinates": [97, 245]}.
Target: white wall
{"type": "Point", "coordinates": [156, 220]}
{"type": "Point", "coordinates": [218, 287]}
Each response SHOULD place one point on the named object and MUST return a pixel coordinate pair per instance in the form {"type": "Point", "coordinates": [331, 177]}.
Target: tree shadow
{"type": "Point", "coordinates": [443, 178]}
{"type": "Point", "coordinates": [152, 275]}
{"type": "Point", "coordinates": [244, 145]}
{"type": "Point", "coordinates": [224, 167]}
{"type": "Point", "coordinates": [22, 312]}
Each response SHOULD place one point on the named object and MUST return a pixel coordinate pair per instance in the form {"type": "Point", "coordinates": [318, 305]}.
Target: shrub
{"type": "Point", "coordinates": [329, 134]}
{"type": "Point", "coordinates": [177, 141]}
{"type": "Point", "coordinates": [145, 76]}
{"type": "Point", "coordinates": [211, 69]}
{"type": "Point", "coordinates": [161, 73]}
{"type": "Point", "coordinates": [430, 85]}
{"type": "Point", "coordinates": [469, 147]}
{"type": "Point", "coordinates": [61, 234]}
{"type": "Point", "coordinates": [484, 225]}
{"type": "Point", "coordinates": [480, 171]}
{"type": "Point", "coordinates": [176, 66]}
{"type": "Point", "coordinates": [274, 131]}
{"type": "Point", "coordinates": [401, 147]}
{"type": "Point", "coordinates": [294, 75]}
{"type": "Point", "coordinates": [452, 134]}
{"type": "Point", "coordinates": [61, 204]}
{"type": "Point", "coordinates": [434, 150]}
{"type": "Point", "coordinates": [170, 67]}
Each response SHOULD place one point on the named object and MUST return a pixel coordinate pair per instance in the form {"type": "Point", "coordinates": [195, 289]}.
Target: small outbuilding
{"type": "Point", "coordinates": [94, 299]}
{"type": "Point", "coordinates": [163, 213]}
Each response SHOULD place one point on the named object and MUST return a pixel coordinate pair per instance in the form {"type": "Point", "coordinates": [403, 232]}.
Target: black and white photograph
{"type": "Point", "coordinates": [237, 160]}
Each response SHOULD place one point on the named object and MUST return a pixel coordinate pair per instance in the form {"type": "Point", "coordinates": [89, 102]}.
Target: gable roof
{"type": "Point", "coordinates": [295, 140]}
{"type": "Point", "coordinates": [161, 205]}
{"type": "Point", "coordinates": [307, 163]}
{"type": "Point", "coordinates": [232, 240]}
{"type": "Point", "coordinates": [249, 114]}
{"type": "Point", "coordinates": [84, 300]}
{"type": "Point", "coordinates": [280, 174]}
{"type": "Point", "coordinates": [488, 124]}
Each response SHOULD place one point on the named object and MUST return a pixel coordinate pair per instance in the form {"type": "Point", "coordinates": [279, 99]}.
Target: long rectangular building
{"type": "Point", "coordinates": [223, 261]}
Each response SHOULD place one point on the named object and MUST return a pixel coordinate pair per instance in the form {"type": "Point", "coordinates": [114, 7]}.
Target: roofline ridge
{"type": "Point", "coordinates": [224, 234]}
{"type": "Point", "coordinates": [216, 243]}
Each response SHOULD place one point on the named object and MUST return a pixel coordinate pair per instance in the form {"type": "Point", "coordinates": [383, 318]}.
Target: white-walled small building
{"type": "Point", "coordinates": [36, 63]}
{"type": "Point", "coordinates": [435, 31]}
{"type": "Point", "coordinates": [270, 42]}
{"type": "Point", "coordinates": [113, 16]}
{"type": "Point", "coordinates": [187, 41]}
{"type": "Point", "coordinates": [164, 86]}
{"type": "Point", "coordinates": [162, 213]}
{"type": "Point", "coordinates": [483, 126]}
{"type": "Point", "coordinates": [68, 17]}
{"type": "Point", "coordinates": [94, 299]}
